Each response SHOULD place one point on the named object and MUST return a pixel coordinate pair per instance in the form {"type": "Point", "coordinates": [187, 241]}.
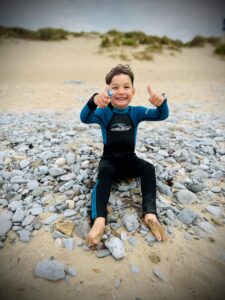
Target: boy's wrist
{"type": "Point", "coordinates": [91, 103]}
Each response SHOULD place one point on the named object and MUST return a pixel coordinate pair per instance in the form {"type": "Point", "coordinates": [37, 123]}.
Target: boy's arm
{"type": "Point", "coordinates": [151, 114]}
{"type": "Point", "coordinates": [87, 114]}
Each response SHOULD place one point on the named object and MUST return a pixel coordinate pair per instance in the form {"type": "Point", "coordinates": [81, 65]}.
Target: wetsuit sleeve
{"type": "Point", "coordinates": [88, 113]}
{"type": "Point", "coordinates": [142, 113]}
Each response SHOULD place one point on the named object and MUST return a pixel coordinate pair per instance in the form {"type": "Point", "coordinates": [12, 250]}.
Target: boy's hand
{"type": "Point", "coordinates": [102, 99]}
{"type": "Point", "coordinates": [154, 99]}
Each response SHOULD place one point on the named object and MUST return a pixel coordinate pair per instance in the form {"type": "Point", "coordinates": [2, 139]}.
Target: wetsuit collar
{"type": "Point", "coordinates": [121, 111]}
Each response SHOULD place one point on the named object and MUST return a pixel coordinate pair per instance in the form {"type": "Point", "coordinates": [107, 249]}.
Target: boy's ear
{"type": "Point", "coordinates": [133, 90]}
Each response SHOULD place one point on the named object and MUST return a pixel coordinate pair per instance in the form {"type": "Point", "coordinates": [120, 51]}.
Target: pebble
{"type": "Point", "coordinates": [64, 160]}
{"type": "Point", "coordinates": [158, 273]}
{"type": "Point", "coordinates": [24, 235]}
{"type": "Point", "coordinates": [132, 240]}
{"type": "Point", "coordinates": [135, 269]}
{"type": "Point", "coordinates": [214, 210]}
{"type": "Point", "coordinates": [116, 247]}
{"type": "Point", "coordinates": [187, 216]}
{"type": "Point", "coordinates": [51, 219]}
{"type": "Point", "coordinates": [186, 197]}
{"type": "Point", "coordinates": [102, 253]}
{"type": "Point", "coordinates": [52, 270]}
{"type": "Point", "coordinates": [19, 215]}
{"type": "Point", "coordinates": [130, 222]}
{"type": "Point", "coordinates": [69, 243]}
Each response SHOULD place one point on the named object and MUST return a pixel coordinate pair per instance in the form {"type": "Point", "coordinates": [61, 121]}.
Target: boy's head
{"type": "Point", "coordinates": [119, 69]}
{"type": "Point", "coordinates": [120, 81]}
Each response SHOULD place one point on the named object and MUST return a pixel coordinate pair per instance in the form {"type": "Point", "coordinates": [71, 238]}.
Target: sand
{"type": "Point", "coordinates": [36, 76]}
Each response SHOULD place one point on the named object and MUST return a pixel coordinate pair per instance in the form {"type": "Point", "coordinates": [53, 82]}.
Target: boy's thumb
{"type": "Point", "coordinates": [150, 90]}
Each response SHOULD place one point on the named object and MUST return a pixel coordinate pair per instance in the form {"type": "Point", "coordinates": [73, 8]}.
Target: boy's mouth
{"type": "Point", "coordinates": [121, 98]}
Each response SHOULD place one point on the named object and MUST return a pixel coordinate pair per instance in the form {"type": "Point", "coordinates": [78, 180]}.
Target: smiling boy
{"type": "Point", "coordinates": [119, 121]}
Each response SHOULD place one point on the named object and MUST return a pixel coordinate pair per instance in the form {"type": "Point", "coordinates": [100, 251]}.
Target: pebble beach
{"type": "Point", "coordinates": [49, 163]}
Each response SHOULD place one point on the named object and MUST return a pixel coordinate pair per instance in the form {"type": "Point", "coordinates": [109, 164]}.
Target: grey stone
{"type": "Point", "coordinates": [14, 205]}
{"type": "Point", "coordinates": [24, 235]}
{"type": "Point", "coordinates": [38, 191]}
{"type": "Point", "coordinates": [51, 219]}
{"type": "Point", "coordinates": [24, 163]}
{"type": "Point", "coordinates": [46, 155]}
{"type": "Point", "coordinates": [187, 216]}
{"type": "Point", "coordinates": [28, 220]}
{"type": "Point", "coordinates": [43, 170]}
{"type": "Point", "coordinates": [6, 216]}
{"type": "Point", "coordinates": [158, 273]}
{"type": "Point", "coordinates": [72, 272]}
{"type": "Point", "coordinates": [150, 238]}
{"type": "Point", "coordinates": [207, 227]}
{"type": "Point", "coordinates": [19, 215]}
{"type": "Point", "coordinates": [36, 211]}
{"type": "Point", "coordinates": [32, 184]}
{"type": "Point", "coordinates": [195, 187]}
{"type": "Point", "coordinates": [199, 175]}
{"type": "Point", "coordinates": [82, 229]}
{"type": "Point", "coordinates": [135, 269]}
{"type": "Point", "coordinates": [170, 214]}
{"type": "Point", "coordinates": [69, 213]}
{"type": "Point", "coordinates": [50, 269]}
{"type": "Point", "coordinates": [164, 189]}
{"type": "Point", "coordinates": [67, 177]}
{"type": "Point", "coordinates": [55, 171]}
{"type": "Point", "coordinates": [216, 189]}
{"type": "Point", "coordinates": [186, 197]}
{"type": "Point", "coordinates": [5, 226]}
{"type": "Point", "coordinates": [214, 210]}
{"type": "Point", "coordinates": [70, 158]}
{"type": "Point", "coordinates": [132, 240]}
{"type": "Point", "coordinates": [116, 247]}
{"type": "Point", "coordinates": [103, 253]}
{"type": "Point", "coordinates": [69, 243]}
{"type": "Point", "coordinates": [130, 222]}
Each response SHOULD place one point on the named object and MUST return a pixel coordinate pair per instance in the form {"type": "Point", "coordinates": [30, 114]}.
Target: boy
{"type": "Point", "coordinates": [110, 109]}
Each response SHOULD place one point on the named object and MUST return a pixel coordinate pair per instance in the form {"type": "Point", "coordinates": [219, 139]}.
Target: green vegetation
{"type": "Point", "coordinates": [114, 38]}
{"type": "Point", "coordinates": [200, 41]}
{"type": "Point", "coordinates": [43, 34]}
{"type": "Point", "coordinates": [220, 49]}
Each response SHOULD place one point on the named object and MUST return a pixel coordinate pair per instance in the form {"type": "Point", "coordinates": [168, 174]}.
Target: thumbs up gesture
{"type": "Point", "coordinates": [154, 99]}
{"type": "Point", "coordinates": [102, 99]}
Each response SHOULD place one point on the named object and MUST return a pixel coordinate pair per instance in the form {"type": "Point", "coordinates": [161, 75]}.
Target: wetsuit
{"type": "Point", "coordinates": [119, 161]}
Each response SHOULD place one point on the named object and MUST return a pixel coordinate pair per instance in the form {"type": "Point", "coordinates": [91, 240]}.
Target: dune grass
{"type": "Point", "coordinates": [114, 38]}
{"type": "Point", "coordinates": [220, 49]}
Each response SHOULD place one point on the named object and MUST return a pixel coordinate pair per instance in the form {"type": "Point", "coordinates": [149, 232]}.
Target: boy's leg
{"type": "Point", "coordinates": [99, 201]}
{"type": "Point", "coordinates": [146, 172]}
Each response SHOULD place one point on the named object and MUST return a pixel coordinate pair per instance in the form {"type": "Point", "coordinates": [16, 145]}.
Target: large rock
{"type": "Point", "coordinates": [186, 197]}
{"type": "Point", "coordinates": [116, 247]}
{"type": "Point", "coordinates": [187, 216]}
{"type": "Point", "coordinates": [52, 270]}
{"type": "Point", "coordinates": [130, 222]}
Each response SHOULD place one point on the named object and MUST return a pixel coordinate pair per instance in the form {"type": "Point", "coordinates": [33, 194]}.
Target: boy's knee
{"type": "Point", "coordinates": [106, 172]}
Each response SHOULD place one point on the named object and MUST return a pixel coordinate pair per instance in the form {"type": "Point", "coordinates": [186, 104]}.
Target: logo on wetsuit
{"type": "Point", "coordinates": [120, 127]}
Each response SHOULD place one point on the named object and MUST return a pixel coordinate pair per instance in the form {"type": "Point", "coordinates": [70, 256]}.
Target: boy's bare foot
{"type": "Point", "coordinates": [155, 227]}
{"type": "Point", "coordinates": [96, 232]}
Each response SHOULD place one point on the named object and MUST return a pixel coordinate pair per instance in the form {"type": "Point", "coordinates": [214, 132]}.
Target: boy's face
{"type": "Point", "coordinates": [123, 91]}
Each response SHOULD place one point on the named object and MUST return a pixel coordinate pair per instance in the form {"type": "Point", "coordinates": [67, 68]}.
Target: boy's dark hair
{"type": "Point", "coordinates": [117, 70]}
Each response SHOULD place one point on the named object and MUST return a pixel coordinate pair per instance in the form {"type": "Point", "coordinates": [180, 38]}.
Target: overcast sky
{"type": "Point", "coordinates": [182, 19]}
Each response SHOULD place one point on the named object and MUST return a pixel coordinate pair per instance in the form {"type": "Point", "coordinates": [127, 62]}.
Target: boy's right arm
{"type": "Point", "coordinates": [87, 114]}
{"type": "Point", "coordinates": [100, 100]}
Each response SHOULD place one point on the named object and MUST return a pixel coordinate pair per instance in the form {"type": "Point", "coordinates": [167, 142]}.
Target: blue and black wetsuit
{"type": "Point", "coordinates": [119, 161]}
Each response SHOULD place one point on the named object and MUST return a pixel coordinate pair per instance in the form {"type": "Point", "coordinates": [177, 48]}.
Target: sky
{"type": "Point", "coordinates": [178, 19]}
